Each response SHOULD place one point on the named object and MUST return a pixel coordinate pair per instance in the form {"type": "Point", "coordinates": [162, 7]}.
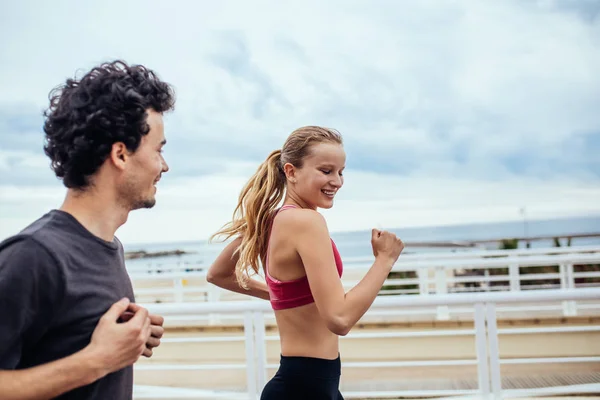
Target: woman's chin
{"type": "Point", "coordinates": [326, 204]}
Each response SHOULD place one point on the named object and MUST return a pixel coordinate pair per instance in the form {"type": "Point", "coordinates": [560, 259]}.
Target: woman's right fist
{"type": "Point", "coordinates": [386, 244]}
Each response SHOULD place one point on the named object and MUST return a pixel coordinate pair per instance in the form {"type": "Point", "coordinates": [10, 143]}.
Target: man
{"type": "Point", "coordinates": [69, 327]}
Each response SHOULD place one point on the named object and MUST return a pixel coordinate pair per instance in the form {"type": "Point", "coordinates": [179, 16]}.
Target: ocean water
{"type": "Point", "coordinates": [357, 244]}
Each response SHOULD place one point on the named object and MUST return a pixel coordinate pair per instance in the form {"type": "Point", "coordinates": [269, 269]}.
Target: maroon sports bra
{"type": "Point", "coordinates": [294, 293]}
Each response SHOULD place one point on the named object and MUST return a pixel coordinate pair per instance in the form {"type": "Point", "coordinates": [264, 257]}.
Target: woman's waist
{"type": "Point", "coordinates": [325, 346]}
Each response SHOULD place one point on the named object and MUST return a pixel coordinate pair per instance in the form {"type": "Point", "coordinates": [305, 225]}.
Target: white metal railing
{"type": "Point", "coordinates": [485, 330]}
{"type": "Point", "coordinates": [176, 265]}
{"type": "Point", "coordinates": [434, 274]}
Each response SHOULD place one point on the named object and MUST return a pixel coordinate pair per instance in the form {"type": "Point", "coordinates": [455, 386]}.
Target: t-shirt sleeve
{"type": "Point", "coordinates": [31, 290]}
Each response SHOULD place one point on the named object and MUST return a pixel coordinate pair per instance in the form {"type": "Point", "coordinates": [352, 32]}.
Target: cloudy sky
{"type": "Point", "coordinates": [452, 111]}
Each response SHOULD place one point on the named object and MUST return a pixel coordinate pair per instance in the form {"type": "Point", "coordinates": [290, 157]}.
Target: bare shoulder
{"type": "Point", "coordinates": [303, 220]}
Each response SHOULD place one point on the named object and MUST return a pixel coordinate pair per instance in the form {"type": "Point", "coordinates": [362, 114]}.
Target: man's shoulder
{"type": "Point", "coordinates": [33, 253]}
{"type": "Point", "coordinates": [51, 223]}
{"type": "Point", "coordinates": [41, 235]}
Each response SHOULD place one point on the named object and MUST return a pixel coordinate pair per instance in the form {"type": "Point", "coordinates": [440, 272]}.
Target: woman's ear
{"type": "Point", "coordinates": [290, 172]}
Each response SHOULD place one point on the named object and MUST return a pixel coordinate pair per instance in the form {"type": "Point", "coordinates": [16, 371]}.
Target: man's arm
{"type": "Point", "coordinates": [49, 380]}
{"type": "Point", "coordinates": [113, 346]}
{"type": "Point", "coordinates": [30, 285]}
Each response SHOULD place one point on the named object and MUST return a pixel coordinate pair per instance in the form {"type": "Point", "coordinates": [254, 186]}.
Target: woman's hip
{"type": "Point", "coordinates": [305, 378]}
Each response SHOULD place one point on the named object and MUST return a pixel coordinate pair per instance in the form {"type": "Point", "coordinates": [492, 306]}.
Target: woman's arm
{"type": "Point", "coordinates": [222, 274]}
{"type": "Point", "coordinates": [340, 310]}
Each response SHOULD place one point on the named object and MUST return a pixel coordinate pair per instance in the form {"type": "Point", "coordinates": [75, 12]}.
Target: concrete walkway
{"type": "Point", "coordinates": [231, 377]}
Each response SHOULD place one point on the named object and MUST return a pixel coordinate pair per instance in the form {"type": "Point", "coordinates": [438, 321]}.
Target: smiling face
{"type": "Point", "coordinates": [315, 183]}
{"type": "Point", "coordinates": [145, 167]}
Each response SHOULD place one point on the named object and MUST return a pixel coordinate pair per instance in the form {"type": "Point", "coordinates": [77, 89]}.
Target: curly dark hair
{"type": "Point", "coordinates": [87, 116]}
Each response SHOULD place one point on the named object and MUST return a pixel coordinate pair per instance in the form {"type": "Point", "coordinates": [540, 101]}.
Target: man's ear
{"type": "Point", "coordinates": [119, 155]}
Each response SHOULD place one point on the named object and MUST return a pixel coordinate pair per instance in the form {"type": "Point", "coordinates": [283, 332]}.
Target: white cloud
{"type": "Point", "coordinates": [22, 159]}
{"type": "Point", "coordinates": [444, 97]}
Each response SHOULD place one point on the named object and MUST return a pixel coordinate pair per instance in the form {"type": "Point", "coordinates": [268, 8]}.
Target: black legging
{"type": "Point", "coordinates": [305, 378]}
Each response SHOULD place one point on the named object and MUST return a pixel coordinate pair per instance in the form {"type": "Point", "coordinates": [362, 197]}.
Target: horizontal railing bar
{"type": "Point", "coordinates": [171, 290]}
{"type": "Point", "coordinates": [174, 395]}
{"type": "Point", "coordinates": [211, 339]}
{"type": "Point", "coordinates": [380, 394]}
{"type": "Point", "coordinates": [389, 364]}
{"type": "Point", "coordinates": [555, 329]}
{"type": "Point", "coordinates": [369, 364]}
{"type": "Point", "coordinates": [185, 396]}
{"type": "Point", "coordinates": [586, 274]}
{"type": "Point", "coordinates": [524, 252]}
{"type": "Point", "coordinates": [168, 275]}
{"type": "Point", "coordinates": [378, 335]}
{"type": "Point", "coordinates": [588, 306]}
{"type": "Point", "coordinates": [402, 312]}
{"type": "Point", "coordinates": [187, 367]}
{"type": "Point", "coordinates": [531, 260]}
{"type": "Point", "coordinates": [550, 360]}
{"type": "Point", "coordinates": [388, 301]}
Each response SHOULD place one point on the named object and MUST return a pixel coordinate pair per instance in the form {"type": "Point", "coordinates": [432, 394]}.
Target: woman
{"type": "Point", "coordinates": [302, 266]}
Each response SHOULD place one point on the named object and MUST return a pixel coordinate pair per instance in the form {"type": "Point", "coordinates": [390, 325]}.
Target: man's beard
{"type": "Point", "coordinates": [132, 199]}
{"type": "Point", "coordinates": [144, 203]}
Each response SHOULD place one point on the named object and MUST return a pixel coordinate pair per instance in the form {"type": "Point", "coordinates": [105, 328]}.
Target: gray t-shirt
{"type": "Point", "coordinates": [56, 280]}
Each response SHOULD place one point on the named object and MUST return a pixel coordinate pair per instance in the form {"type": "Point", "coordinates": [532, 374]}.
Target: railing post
{"type": "Point", "coordinates": [481, 350]}
{"type": "Point", "coordinates": [423, 275]}
{"type": "Point", "coordinates": [213, 294]}
{"type": "Point", "coordinates": [250, 355]}
{"type": "Point", "coordinates": [261, 353]}
{"type": "Point", "coordinates": [178, 286]}
{"type": "Point", "coordinates": [562, 269]}
{"type": "Point", "coordinates": [494, 349]}
{"type": "Point", "coordinates": [567, 281]}
{"type": "Point", "coordinates": [571, 285]}
{"type": "Point", "coordinates": [514, 276]}
{"type": "Point", "coordinates": [441, 287]}
{"type": "Point", "coordinates": [256, 355]}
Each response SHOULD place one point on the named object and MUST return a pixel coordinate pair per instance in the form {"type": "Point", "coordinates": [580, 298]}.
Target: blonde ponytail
{"type": "Point", "coordinates": [252, 216]}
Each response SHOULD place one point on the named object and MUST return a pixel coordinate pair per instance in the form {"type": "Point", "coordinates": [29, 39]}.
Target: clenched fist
{"type": "Point", "coordinates": [386, 245]}
{"type": "Point", "coordinates": [115, 343]}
